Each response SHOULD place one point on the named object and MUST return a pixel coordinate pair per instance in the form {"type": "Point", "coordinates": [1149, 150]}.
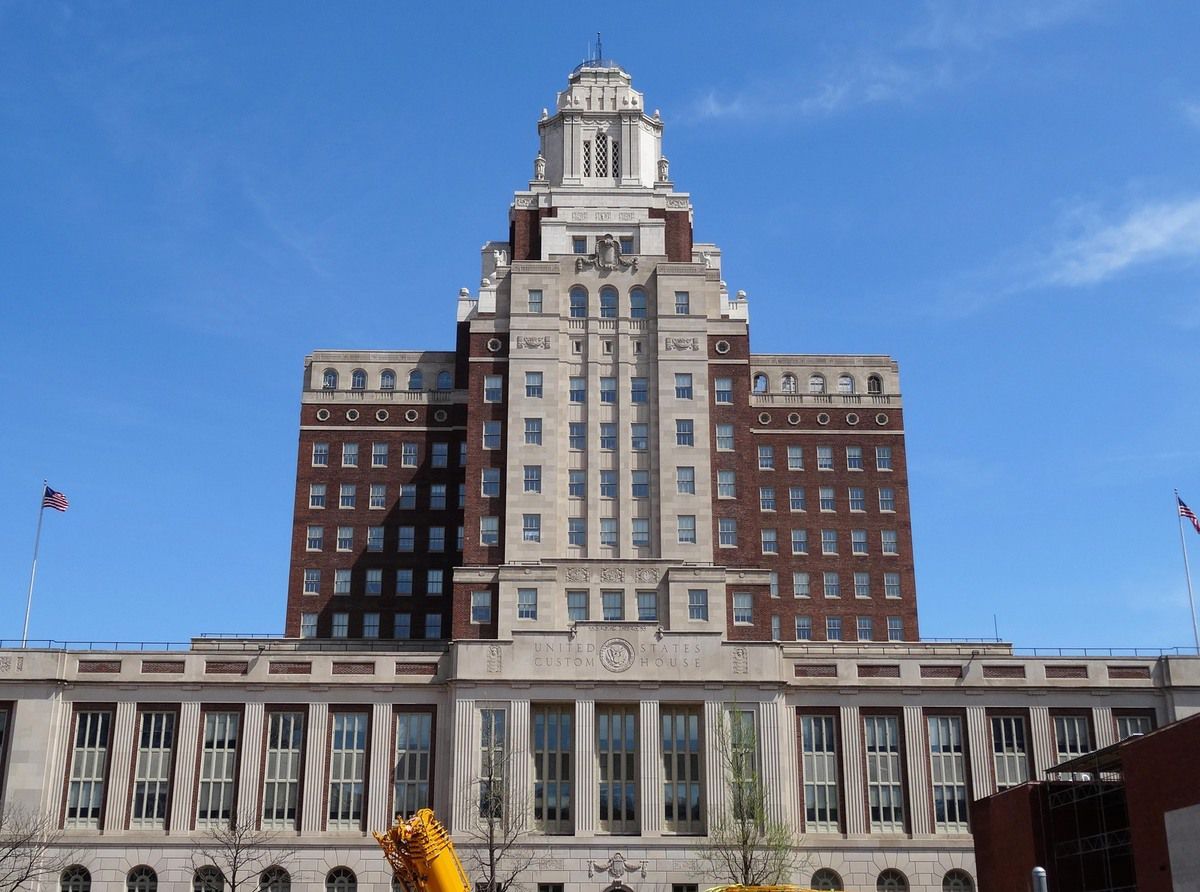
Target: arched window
{"type": "Point", "coordinates": [387, 380]}
{"type": "Point", "coordinates": [827, 879]}
{"type": "Point", "coordinates": [416, 381]}
{"type": "Point", "coordinates": [845, 384]}
{"type": "Point", "coordinates": [637, 304]}
{"type": "Point", "coordinates": [445, 381]}
{"type": "Point", "coordinates": [874, 384]}
{"type": "Point", "coordinates": [578, 298]}
{"type": "Point", "coordinates": [75, 879]}
{"type": "Point", "coordinates": [957, 881]}
{"type": "Point", "coordinates": [761, 384]}
{"type": "Point", "coordinates": [891, 880]}
{"type": "Point", "coordinates": [141, 879]}
{"type": "Point", "coordinates": [608, 303]}
{"type": "Point", "coordinates": [208, 879]}
{"type": "Point", "coordinates": [275, 879]}
{"type": "Point", "coordinates": [358, 380]}
{"type": "Point", "coordinates": [341, 879]}
{"type": "Point", "coordinates": [329, 379]}
{"type": "Point", "coordinates": [816, 383]}
{"type": "Point", "coordinates": [788, 383]}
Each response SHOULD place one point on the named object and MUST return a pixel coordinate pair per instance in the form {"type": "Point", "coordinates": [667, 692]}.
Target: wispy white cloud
{"type": "Point", "coordinates": [1163, 231]}
{"type": "Point", "coordinates": [1191, 111]}
{"type": "Point", "coordinates": [936, 54]}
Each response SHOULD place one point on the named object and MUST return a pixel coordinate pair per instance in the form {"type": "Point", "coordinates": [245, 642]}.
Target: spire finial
{"type": "Point", "coordinates": [599, 49]}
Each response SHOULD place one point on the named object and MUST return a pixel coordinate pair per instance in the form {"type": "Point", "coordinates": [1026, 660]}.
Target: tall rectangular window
{"type": "Point", "coordinates": [683, 385]}
{"type": "Point", "coordinates": [683, 303]}
{"type": "Point", "coordinates": [639, 390]}
{"type": "Point", "coordinates": [683, 769]}
{"type": "Point", "coordinates": [433, 626]}
{"type": "Point", "coordinates": [799, 541]}
{"type": "Point", "coordinates": [576, 483]}
{"type": "Point", "coordinates": [308, 625]}
{"type": "Point", "coordinates": [723, 390]}
{"type": "Point", "coordinates": [833, 628]}
{"type": "Point", "coordinates": [804, 628]}
{"type": "Point", "coordinates": [640, 531]}
{"type": "Point", "coordinates": [862, 584]}
{"type": "Point", "coordinates": [533, 432]}
{"type": "Point", "coordinates": [743, 610]}
{"type": "Point", "coordinates": [883, 458]}
{"type": "Point", "coordinates": [89, 768]}
{"type": "Point", "coordinates": [533, 478]}
{"type": "Point", "coordinates": [647, 606]}
{"type": "Point", "coordinates": [414, 740]}
{"type": "Point", "coordinates": [639, 437]}
{"type": "Point", "coordinates": [687, 529]}
{"type": "Point", "coordinates": [437, 496]}
{"type": "Point", "coordinates": [858, 541]}
{"type": "Point", "coordinates": [493, 746]}
{"type": "Point", "coordinates": [345, 538]}
{"type": "Point", "coordinates": [1072, 736]}
{"type": "Point", "coordinates": [349, 455]}
{"type": "Point", "coordinates": [608, 436]}
{"type": "Point", "coordinates": [766, 458]}
{"type": "Point", "coordinates": [406, 538]}
{"type": "Point", "coordinates": [1131, 725]}
{"type": "Point", "coordinates": [347, 495]}
{"type": "Point", "coordinates": [948, 773]}
{"type": "Point", "coordinates": [152, 773]}
{"type": "Point", "coordinates": [796, 500]}
{"type": "Point", "coordinates": [534, 303]}
{"type": "Point", "coordinates": [402, 626]}
{"type": "Point", "coordinates": [533, 385]}
{"type": "Point", "coordinates": [218, 768]}
{"type": "Point", "coordinates": [727, 532]}
{"type": "Point", "coordinates": [608, 484]}
{"type": "Point", "coordinates": [854, 459]}
{"type": "Point", "coordinates": [378, 497]}
{"type": "Point", "coordinates": [320, 455]}
{"type": "Point", "coordinates": [577, 531]}
{"type": "Point", "coordinates": [617, 753]}
{"type": "Point", "coordinates": [577, 390]}
{"type": "Point", "coordinates": [408, 455]}
{"type": "Point", "coordinates": [795, 458]}
{"type": "Point", "coordinates": [640, 484]}
{"type": "Point", "coordinates": [698, 604]}
{"type": "Point", "coordinates": [887, 498]}
{"type": "Point", "coordinates": [891, 585]}
{"type": "Point", "coordinates": [553, 768]}
{"type": "Point", "coordinates": [527, 603]}
{"type": "Point", "coordinates": [726, 485]}
{"type": "Point", "coordinates": [801, 584]}
{"type": "Point", "coordinates": [577, 606]}
{"type": "Point", "coordinates": [434, 580]}
{"type": "Point", "coordinates": [281, 770]}
{"type": "Point", "coordinates": [481, 607]}
{"type": "Point", "coordinates": [491, 435]}
{"type": "Point", "coordinates": [832, 584]}
{"type": "Point", "coordinates": [857, 498]}
{"type": "Point", "coordinates": [608, 390]}
{"type": "Point", "coordinates": [825, 498]}
{"type": "Point", "coordinates": [885, 791]}
{"type": "Point", "coordinates": [824, 458]}
{"type": "Point", "coordinates": [531, 527]}
{"type": "Point", "coordinates": [685, 480]}
{"type": "Point", "coordinates": [613, 604]}
{"type": "Point", "coordinates": [340, 625]}
{"type": "Point", "coordinates": [379, 455]}
{"type": "Point", "coordinates": [347, 769]}
{"type": "Point", "coordinates": [829, 543]}
{"type": "Point", "coordinates": [685, 434]}
{"type": "Point", "coordinates": [493, 388]}
{"type": "Point", "coordinates": [370, 624]}
{"type": "Point", "coordinates": [489, 531]}
{"type": "Point", "coordinates": [766, 498]}
{"type": "Point", "coordinates": [888, 542]}
{"type": "Point", "coordinates": [1009, 754]}
{"type": "Point", "coordinates": [490, 482]}
{"type": "Point", "coordinates": [316, 538]}
{"type": "Point", "coordinates": [316, 495]}
{"type": "Point", "coordinates": [865, 628]}
{"type": "Point", "coordinates": [744, 763]}
{"type": "Point", "coordinates": [770, 541]}
{"type": "Point", "coordinates": [577, 435]}
{"type": "Point", "coordinates": [608, 531]}
{"type": "Point", "coordinates": [724, 437]}
{"type": "Point", "coordinates": [895, 628]}
{"type": "Point", "coordinates": [819, 764]}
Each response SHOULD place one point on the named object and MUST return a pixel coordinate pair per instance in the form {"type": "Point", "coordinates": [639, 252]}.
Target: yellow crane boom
{"type": "Point", "coordinates": [422, 855]}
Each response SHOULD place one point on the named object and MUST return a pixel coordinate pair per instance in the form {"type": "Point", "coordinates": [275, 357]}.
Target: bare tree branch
{"type": "Point", "coordinates": [498, 847]}
{"type": "Point", "coordinates": [240, 852]}
{"type": "Point", "coordinates": [746, 845]}
{"type": "Point", "coordinates": [29, 849]}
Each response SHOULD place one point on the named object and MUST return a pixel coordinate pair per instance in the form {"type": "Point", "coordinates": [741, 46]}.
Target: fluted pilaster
{"type": "Point", "coordinates": [120, 756]}
{"type": "Point", "coordinates": [979, 748]}
{"type": "Point", "coordinates": [379, 776]}
{"type": "Point", "coordinates": [316, 748]}
{"type": "Point", "coordinates": [715, 781]}
{"type": "Point", "coordinates": [250, 767]}
{"type": "Point", "coordinates": [586, 815]}
{"type": "Point", "coordinates": [778, 753]}
{"type": "Point", "coordinates": [1041, 732]}
{"type": "Point", "coordinates": [462, 772]}
{"type": "Point", "coordinates": [852, 769]}
{"type": "Point", "coordinates": [916, 765]}
{"type": "Point", "coordinates": [651, 768]}
{"type": "Point", "coordinates": [183, 784]}
{"type": "Point", "coordinates": [520, 778]}
{"type": "Point", "coordinates": [1105, 729]}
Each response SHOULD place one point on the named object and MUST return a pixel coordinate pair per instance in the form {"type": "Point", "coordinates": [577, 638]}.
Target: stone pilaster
{"type": "Point", "coordinates": [183, 783]}
{"type": "Point", "coordinates": [466, 745]}
{"type": "Point", "coordinates": [853, 786]}
{"type": "Point", "coordinates": [379, 772]}
{"type": "Point", "coordinates": [779, 760]}
{"type": "Point", "coordinates": [519, 758]}
{"type": "Point", "coordinates": [316, 748]}
{"type": "Point", "coordinates": [1103, 726]}
{"type": "Point", "coordinates": [250, 749]}
{"type": "Point", "coordinates": [1042, 754]}
{"type": "Point", "coordinates": [715, 781]}
{"type": "Point", "coordinates": [123, 743]}
{"type": "Point", "coordinates": [916, 766]}
{"type": "Point", "coordinates": [979, 749]}
{"type": "Point", "coordinates": [651, 768]}
{"type": "Point", "coordinates": [586, 814]}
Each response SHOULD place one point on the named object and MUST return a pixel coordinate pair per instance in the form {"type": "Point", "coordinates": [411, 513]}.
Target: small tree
{"type": "Point", "coordinates": [29, 849]}
{"type": "Point", "coordinates": [240, 852]}
{"type": "Point", "coordinates": [498, 850]}
{"type": "Point", "coordinates": [746, 845]}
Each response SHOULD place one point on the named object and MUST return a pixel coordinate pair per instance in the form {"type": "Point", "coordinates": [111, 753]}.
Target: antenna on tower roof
{"type": "Point", "coordinates": [599, 51]}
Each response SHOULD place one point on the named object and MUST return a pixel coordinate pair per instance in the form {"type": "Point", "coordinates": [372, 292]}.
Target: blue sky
{"type": "Point", "coordinates": [1004, 197]}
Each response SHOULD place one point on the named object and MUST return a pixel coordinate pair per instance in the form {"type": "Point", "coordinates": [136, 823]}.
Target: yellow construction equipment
{"type": "Point", "coordinates": [422, 856]}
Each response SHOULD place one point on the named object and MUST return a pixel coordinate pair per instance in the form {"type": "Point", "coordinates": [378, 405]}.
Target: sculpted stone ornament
{"type": "Point", "coordinates": [664, 170]}
{"type": "Point", "coordinates": [612, 574]}
{"type": "Point", "coordinates": [616, 654]}
{"type": "Point", "coordinates": [681, 343]}
{"type": "Point", "coordinates": [616, 867]}
{"type": "Point", "coordinates": [647, 574]}
{"type": "Point", "coordinates": [539, 167]}
{"type": "Point", "coordinates": [495, 660]}
{"type": "Point", "coordinates": [577, 574]}
{"type": "Point", "coordinates": [527, 343]}
{"type": "Point", "coordinates": [607, 257]}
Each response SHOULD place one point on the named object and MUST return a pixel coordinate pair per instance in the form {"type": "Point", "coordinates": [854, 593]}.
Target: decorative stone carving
{"type": "Point", "coordinates": [607, 256]}
{"type": "Point", "coordinates": [499, 257]}
{"type": "Point", "coordinates": [616, 654]}
{"type": "Point", "coordinates": [612, 574]}
{"type": "Point", "coordinates": [495, 659]}
{"type": "Point", "coordinates": [709, 263]}
{"type": "Point", "coordinates": [664, 170]}
{"type": "Point", "coordinates": [524, 201]}
{"type": "Point", "coordinates": [616, 867]}
{"type": "Point", "coordinates": [577, 574]}
{"type": "Point", "coordinates": [680, 203]}
{"type": "Point", "coordinates": [681, 344]}
{"type": "Point", "coordinates": [741, 661]}
{"type": "Point", "coordinates": [539, 167]}
{"type": "Point", "coordinates": [527, 343]}
{"type": "Point", "coordinates": [647, 574]}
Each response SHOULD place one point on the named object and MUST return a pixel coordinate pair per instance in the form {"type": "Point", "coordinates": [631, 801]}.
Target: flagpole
{"type": "Point", "coordinates": [33, 570]}
{"type": "Point", "coordinates": [1187, 572]}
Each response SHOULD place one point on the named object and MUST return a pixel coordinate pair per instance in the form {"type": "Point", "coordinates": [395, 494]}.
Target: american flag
{"type": "Point", "coordinates": [52, 498]}
{"type": "Point", "coordinates": [1185, 511]}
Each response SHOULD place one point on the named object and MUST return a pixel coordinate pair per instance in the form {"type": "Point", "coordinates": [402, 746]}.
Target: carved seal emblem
{"type": "Point", "coordinates": [616, 654]}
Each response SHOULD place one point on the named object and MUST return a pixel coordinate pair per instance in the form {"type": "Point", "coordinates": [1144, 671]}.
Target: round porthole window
{"type": "Point", "coordinates": [823, 418]}
{"type": "Point", "coordinates": [881, 419]}
{"type": "Point", "coordinates": [851, 418]}
{"type": "Point", "coordinates": [794, 418]}
{"type": "Point", "coordinates": [494, 345]}
{"type": "Point", "coordinates": [440, 415]}
{"type": "Point", "coordinates": [722, 347]}
{"type": "Point", "coordinates": [352, 414]}
{"type": "Point", "coordinates": [322, 414]}
{"type": "Point", "coordinates": [412, 415]}
{"type": "Point", "coordinates": [764, 418]}
{"type": "Point", "coordinates": [381, 415]}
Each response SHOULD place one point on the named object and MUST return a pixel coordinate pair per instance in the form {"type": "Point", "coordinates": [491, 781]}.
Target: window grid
{"type": "Point", "coordinates": [152, 780]}
{"type": "Point", "coordinates": [948, 772]}
{"type": "Point", "coordinates": [617, 752]}
{"type": "Point", "coordinates": [885, 792]}
{"type": "Point", "coordinates": [553, 769]}
{"type": "Point", "coordinates": [819, 763]}
{"type": "Point", "coordinates": [683, 770]}
{"type": "Point", "coordinates": [89, 764]}
{"type": "Point", "coordinates": [1072, 736]}
{"type": "Point", "coordinates": [218, 766]}
{"type": "Point", "coordinates": [347, 767]}
{"type": "Point", "coordinates": [412, 767]}
{"type": "Point", "coordinates": [493, 743]}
